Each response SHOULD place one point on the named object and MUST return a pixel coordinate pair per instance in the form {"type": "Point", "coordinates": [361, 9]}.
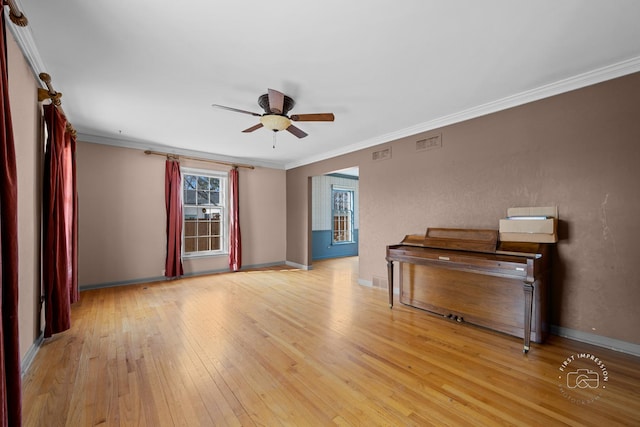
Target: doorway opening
{"type": "Point", "coordinates": [334, 214]}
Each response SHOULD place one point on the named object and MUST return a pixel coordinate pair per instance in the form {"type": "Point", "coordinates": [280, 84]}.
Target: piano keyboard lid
{"type": "Point", "coordinates": [475, 240]}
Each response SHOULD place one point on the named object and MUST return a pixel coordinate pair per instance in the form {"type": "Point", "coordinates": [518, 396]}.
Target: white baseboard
{"type": "Point", "coordinates": [296, 265]}
{"type": "Point", "coordinates": [367, 283]}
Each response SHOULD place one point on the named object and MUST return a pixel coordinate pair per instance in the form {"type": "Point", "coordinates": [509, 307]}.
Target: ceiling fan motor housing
{"type": "Point", "coordinates": [263, 102]}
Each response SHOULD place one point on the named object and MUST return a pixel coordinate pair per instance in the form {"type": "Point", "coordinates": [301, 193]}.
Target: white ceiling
{"type": "Point", "coordinates": [144, 73]}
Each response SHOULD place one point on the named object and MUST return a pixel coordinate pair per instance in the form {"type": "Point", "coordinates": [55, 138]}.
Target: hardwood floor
{"type": "Point", "coordinates": [271, 348]}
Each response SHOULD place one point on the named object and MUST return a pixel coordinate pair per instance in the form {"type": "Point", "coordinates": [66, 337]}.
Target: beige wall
{"type": "Point", "coordinates": [123, 221]}
{"type": "Point", "coordinates": [25, 113]}
{"type": "Point", "coordinates": [579, 151]}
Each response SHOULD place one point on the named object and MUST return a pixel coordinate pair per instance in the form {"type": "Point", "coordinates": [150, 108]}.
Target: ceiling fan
{"type": "Point", "coordinates": [276, 105]}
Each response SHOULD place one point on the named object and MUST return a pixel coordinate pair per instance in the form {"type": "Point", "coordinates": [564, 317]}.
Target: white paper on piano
{"type": "Point", "coordinates": [528, 217]}
{"type": "Point", "coordinates": [530, 224]}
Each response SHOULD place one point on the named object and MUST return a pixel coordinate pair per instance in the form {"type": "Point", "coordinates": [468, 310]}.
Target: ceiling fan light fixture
{"type": "Point", "coordinates": [275, 122]}
{"type": "Point", "coordinates": [276, 106]}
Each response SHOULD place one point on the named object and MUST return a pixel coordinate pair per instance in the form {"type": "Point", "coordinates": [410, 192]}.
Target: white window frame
{"type": "Point", "coordinates": [222, 206]}
{"type": "Point", "coordinates": [351, 226]}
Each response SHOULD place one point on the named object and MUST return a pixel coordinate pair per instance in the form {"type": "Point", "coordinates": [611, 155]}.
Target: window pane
{"type": "Point", "coordinates": [214, 184]}
{"type": "Point", "coordinates": [203, 228]}
{"type": "Point", "coordinates": [203, 183]}
{"type": "Point", "coordinates": [215, 243]}
{"type": "Point", "coordinates": [215, 192]}
{"type": "Point", "coordinates": [190, 212]}
{"type": "Point", "coordinates": [203, 244]}
{"type": "Point", "coordinates": [215, 228]}
{"type": "Point", "coordinates": [342, 200]}
{"type": "Point", "coordinates": [211, 213]}
{"type": "Point", "coordinates": [190, 245]}
{"type": "Point", "coordinates": [190, 197]}
{"type": "Point", "coordinates": [203, 197]}
{"type": "Point", "coordinates": [190, 228]}
{"type": "Point", "coordinates": [189, 182]}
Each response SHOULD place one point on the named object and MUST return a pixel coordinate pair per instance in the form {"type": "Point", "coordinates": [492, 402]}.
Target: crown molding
{"type": "Point", "coordinates": [572, 83]}
{"type": "Point", "coordinates": [26, 43]}
{"type": "Point", "coordinates": [145, 145]}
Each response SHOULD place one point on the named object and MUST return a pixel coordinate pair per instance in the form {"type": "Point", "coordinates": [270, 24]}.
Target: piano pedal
{"type": "Point", "coordinates": [458, 319]}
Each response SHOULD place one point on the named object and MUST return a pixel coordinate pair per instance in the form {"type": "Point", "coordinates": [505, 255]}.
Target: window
{"type": "Point", "coordinates": [204, 210]}
{"type": "Point", "coordinates": [342, 213]}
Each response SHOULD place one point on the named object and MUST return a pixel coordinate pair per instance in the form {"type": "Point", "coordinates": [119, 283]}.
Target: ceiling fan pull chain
{"type": "Point", "coordinates": [274, 139]}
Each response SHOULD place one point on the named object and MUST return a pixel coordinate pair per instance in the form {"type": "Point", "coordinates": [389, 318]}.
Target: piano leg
{"type": "Point", "coordinates": [528, 309]}
{"type": "Point", "coordinates": [390, 279]}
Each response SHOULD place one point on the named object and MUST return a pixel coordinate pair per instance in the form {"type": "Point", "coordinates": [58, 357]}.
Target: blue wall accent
{"type": "Point", "coordinates": [322, 248]}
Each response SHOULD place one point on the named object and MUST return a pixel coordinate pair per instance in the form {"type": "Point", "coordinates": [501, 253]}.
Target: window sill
{"type": "Point", "coordinates": [207, 255]}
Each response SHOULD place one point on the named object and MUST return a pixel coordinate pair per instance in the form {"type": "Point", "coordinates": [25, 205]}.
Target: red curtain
{"type": "Point", "coordinates": [59, 252]}
{"type": "Point", "coordinates": [10, 382]}
{"type": "Point", "coordinates": [235, 244]}
{"type": "Point", "coordinates": [74, 292]}
{"type": "Point", "coordinates": [173, 200]}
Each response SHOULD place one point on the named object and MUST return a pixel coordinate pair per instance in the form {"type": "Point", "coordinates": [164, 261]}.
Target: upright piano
{"type": "Point", "coordinates": [467, 275]}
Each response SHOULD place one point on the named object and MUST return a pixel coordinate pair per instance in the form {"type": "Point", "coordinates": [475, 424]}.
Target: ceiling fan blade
{"type": "Point", "coordinates": [236, 110]}
{"type": "Point", "coordinates": [296, 131]}
{"type": "Point", "coordinates": [252, 128]}
{"type": "Point", "coordinates": [276, 101]}
{"type": "Point", "coordinates": [318, 117]}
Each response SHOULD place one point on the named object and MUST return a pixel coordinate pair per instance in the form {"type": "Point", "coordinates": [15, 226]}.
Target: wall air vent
{"type": "Point", "coordinates": [429, 143]}
{"type": "Point", "coordinates": [380, 282]}
{"type": "Point", "coordinates": [384, 154]}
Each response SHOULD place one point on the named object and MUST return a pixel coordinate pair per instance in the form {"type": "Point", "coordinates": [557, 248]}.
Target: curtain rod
{"type": "Point", "coordinates": [16, 16]}
{"type": "Point", "coordinates": [54, 96]}
{"type": "Point", "coordinates": [201, 159]}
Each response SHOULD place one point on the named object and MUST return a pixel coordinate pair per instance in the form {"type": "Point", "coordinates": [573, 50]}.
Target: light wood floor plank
{"type": "Point", "coordinates": [301, 348]}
